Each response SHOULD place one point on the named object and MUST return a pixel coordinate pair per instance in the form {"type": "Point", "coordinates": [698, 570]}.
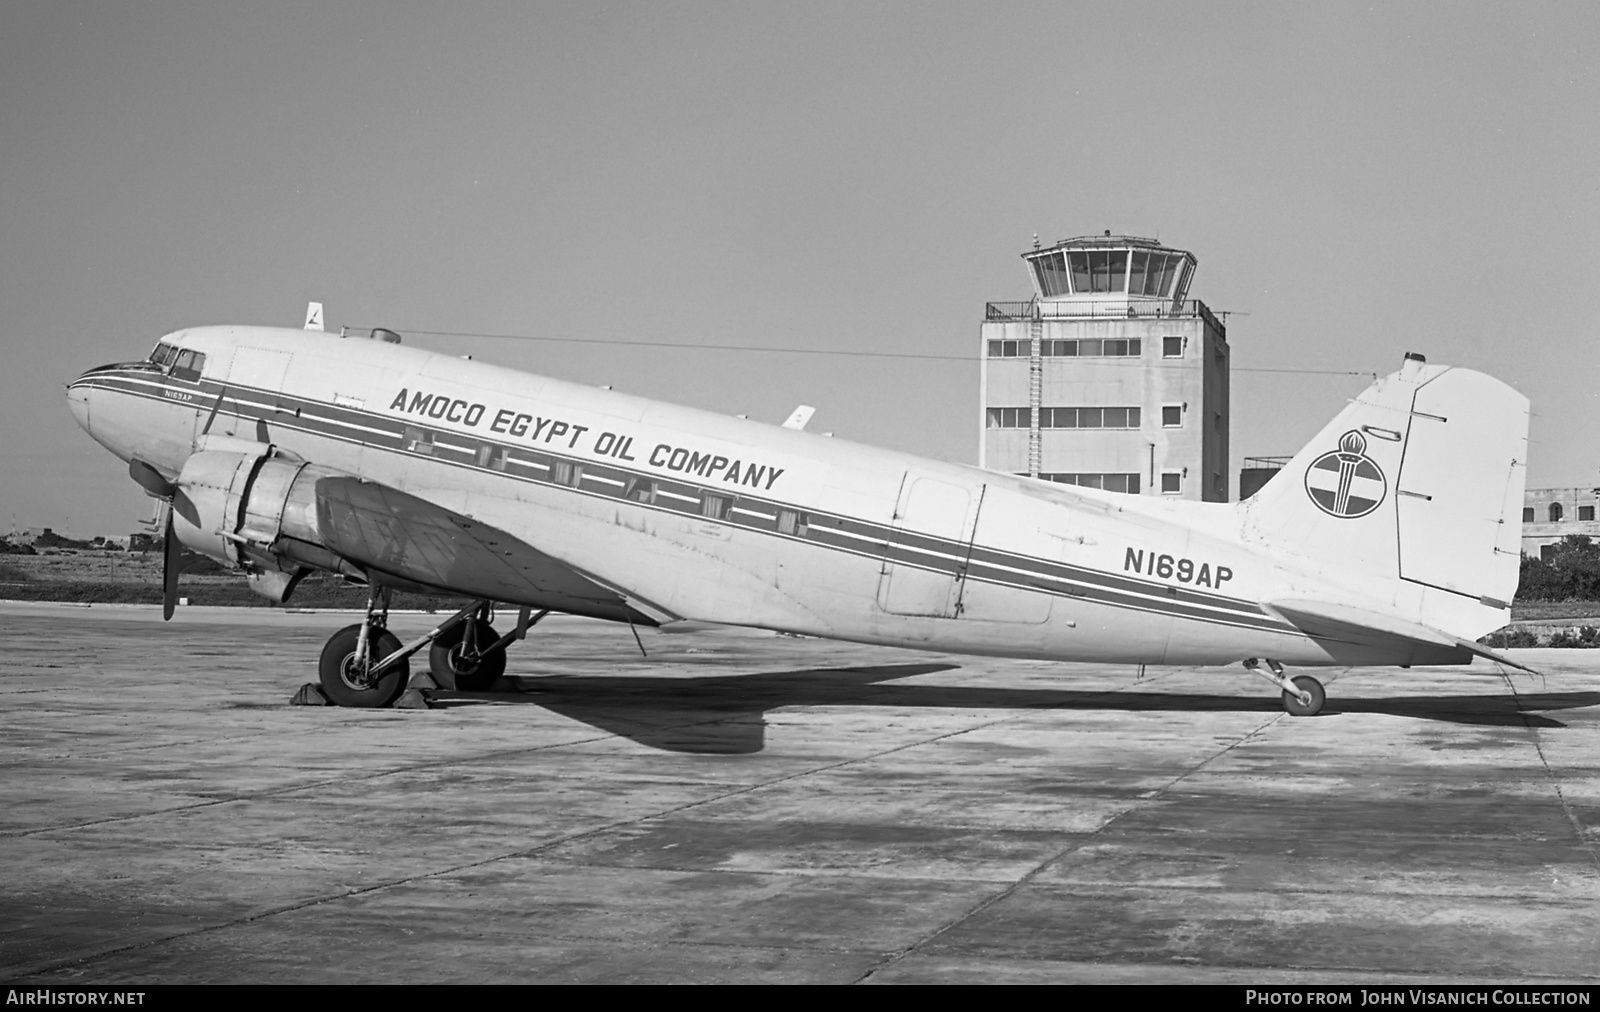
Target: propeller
{"type": "Point", "coordinates": [154, 484]}
{"type": "Point", "coordinates": [170, 568]}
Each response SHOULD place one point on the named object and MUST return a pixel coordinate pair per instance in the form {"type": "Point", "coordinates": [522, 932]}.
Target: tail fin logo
{"type": "Point", "coordinates": [1346, 482]}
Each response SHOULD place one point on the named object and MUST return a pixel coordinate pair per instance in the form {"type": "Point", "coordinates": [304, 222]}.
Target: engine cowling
{"type": "Point", "coordinates": [253, 507]}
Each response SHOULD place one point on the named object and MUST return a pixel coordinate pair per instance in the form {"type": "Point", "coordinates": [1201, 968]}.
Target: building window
{"type": "Point", "coordinates": [1172, 347]}
{"type": "Point", "coordinates": [1096, 347]}
{"type": "Point", "coordinates": [1172, 416]}
{"type": "Point", "coordinates": [1171, 482]}
{"type": "Point", "coordinates": [1088, 418]}
{"type": "Point", "coordinates": [1128, 483]}
{"type": "Point", "coordinates": [1585, 512]}
{"type": "Point", "coordinates": [1547, 553]}
{"type": "Point", "coordinates": [1051, 269]}
{"type": "Point", "coordinates": [1555, 512]}
{"type": "Point", "coordinates": [1527, 514]}
{"type": "Point", "coordinates": [1064, 418]}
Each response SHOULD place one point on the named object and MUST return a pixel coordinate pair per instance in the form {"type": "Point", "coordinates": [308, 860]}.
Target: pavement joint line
{"type": "Point", "coordinates": [290, 789]}
{"type": "Point", "coordinates": [342, 725]}
{"type": "Point", "coordinates": [1587, 845]}
{"type": "Point", "coordinates": [1138, 804]}
{"type": "Point", "coordinates": [441, 872]}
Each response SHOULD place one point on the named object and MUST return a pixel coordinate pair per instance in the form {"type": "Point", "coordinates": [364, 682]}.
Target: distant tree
{"type": "Point", "coordinates": [1571, 573]}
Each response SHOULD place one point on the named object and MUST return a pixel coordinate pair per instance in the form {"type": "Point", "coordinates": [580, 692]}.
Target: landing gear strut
{"type": "Point", "coordinates": [1303, 695]}
{"type": "Point", "coordinates": [469, 655]}
{"type": "Point", "coordinates": [358, 666]}
{"type": "Point", "coordinates": [366, 665]}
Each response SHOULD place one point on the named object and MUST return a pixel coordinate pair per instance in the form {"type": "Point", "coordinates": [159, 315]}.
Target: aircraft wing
{"type": "Point", "coordinates": [1341, 624]}
{"type": "Point", "coordinates": [417, 542]}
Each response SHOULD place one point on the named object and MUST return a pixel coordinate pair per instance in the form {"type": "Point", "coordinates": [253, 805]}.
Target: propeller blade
{"type": "Point", "coordinates": [169, 571]}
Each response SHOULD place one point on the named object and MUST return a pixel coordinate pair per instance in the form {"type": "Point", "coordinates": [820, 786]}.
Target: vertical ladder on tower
{"type": "Point", "coordinates": [1035, 391]}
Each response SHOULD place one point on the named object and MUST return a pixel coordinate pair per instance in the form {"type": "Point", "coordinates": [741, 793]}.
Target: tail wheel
{"type": "Point", "coordinates": [342, 679]}
{"type": "Point", "coordinates": [1311, 687]}
{"type": "Point", "coordinates": [456, 662]}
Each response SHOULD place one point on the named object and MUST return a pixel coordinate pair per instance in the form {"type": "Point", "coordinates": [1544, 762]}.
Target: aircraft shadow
{"type": "Point", "coordinates": [726, 714]}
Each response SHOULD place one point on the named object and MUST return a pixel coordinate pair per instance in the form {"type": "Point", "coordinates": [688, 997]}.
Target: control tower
{"type": "Point", "coordinates": [1110, 376]}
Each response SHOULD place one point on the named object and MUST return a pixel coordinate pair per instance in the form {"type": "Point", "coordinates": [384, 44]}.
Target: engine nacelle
{"type": "Point", "coordinates": [254, 509]}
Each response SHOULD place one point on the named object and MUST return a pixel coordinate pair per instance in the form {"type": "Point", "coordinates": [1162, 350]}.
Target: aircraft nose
{"type": "Point", "coordinates": [78, 404]}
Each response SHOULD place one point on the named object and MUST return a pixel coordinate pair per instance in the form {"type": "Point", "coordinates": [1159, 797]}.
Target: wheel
{"type": "Point", "coordinates": [1309, 685]}
{"type": "Point", "coordinates": [454, 666]}
{"type": "Point", "coordinates": [338, 680]}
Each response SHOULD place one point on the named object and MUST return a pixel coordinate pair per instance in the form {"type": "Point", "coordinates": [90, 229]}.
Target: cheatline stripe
{"type": "Point", "coordinates": [840, 533]}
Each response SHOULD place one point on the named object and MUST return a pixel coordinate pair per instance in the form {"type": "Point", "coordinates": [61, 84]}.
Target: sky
{"type": "Point", "coordinates": [1356, 180]}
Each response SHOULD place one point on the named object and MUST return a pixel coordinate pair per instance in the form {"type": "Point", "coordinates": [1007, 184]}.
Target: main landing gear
{"type": "Point", "coordinates": [1303, 695]}
{"type": "Point", "coordinates": [366, 665]}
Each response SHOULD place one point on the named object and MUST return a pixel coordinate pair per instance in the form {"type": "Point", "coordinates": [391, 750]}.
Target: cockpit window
{"type": "Point", "coordinates": [164, 354]}
{"type": "Point", "coordinates": [188, 364]}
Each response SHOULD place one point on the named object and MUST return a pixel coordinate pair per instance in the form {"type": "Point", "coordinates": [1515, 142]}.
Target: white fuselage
{"type": "Point", "coordinates": [698, 516]}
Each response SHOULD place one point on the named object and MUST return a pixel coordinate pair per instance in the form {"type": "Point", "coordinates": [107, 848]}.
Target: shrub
{"type": "Point", "coordinates": [1511, 638]}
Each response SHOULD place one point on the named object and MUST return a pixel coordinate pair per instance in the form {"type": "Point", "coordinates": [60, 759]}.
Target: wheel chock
{"type": "Point", "coordinates": [310, 694]}
{"type": "Point", "coordinates": [412, 699]}
{"type": "Point", "coordinates": [424, 682]}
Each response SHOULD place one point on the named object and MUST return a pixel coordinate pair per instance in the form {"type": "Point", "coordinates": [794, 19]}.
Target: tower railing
{"type": "Point", "coordinates": [1118, 309]}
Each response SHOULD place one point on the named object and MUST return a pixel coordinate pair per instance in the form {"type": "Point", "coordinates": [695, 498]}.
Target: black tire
{"type": "Point", "coordinates": [341, 649]}
{"type": "Point", "coordinates": [1309, 685]}
{"type": "Point", "coordinates": [452, 671]}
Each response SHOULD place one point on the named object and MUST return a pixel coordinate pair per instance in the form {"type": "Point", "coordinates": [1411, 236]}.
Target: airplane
{"type": "Point", "coordinates": [1392, 538]}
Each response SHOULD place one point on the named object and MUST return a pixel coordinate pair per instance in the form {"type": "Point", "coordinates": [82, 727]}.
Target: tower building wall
{"type": "Point", "coordinates": [1106, 388]}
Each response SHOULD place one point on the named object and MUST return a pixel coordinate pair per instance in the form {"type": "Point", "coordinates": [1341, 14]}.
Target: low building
{"type": "Point", "coordinates": [1550, 514]}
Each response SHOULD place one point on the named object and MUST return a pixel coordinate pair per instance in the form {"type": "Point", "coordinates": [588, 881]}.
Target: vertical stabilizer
{"type": "Point", "coordinates": [1419, 481]}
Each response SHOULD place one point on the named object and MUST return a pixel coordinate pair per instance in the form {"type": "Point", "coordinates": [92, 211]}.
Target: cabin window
{"type": "Point", "coordinates": [792, 522]}
{"type": "Point", "coordinates": [418, 440]}
{"type": "Point", "coordinates": [715, 507]}
{"type": "Point", "coordinates": [565, 472]}
{"type": "Point", "coordinates": [188, 364]}
{"type": "Point", "coordinates": [640, 490]}
{"type": "Point", "coordinates": [491, 456]}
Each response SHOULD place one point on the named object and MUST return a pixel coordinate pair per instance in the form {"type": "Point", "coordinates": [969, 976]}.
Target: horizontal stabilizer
{"type": "Point", "coordinates": [1370, 631]}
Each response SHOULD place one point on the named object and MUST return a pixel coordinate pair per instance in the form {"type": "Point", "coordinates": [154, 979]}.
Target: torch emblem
{"type": "Point", "coordinates": [1346, 482]}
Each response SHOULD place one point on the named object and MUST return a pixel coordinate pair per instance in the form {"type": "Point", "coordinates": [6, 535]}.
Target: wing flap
{"type": "Point", "coordinates": [1341, 625]}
